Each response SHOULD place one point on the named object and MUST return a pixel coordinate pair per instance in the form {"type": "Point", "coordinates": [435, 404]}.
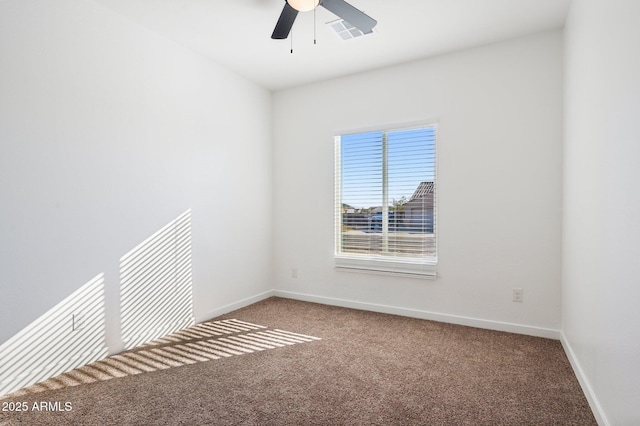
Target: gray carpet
{"type": "Point", "coordinates": [285, 362]}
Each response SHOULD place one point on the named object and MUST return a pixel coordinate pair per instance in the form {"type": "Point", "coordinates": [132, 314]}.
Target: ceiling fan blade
{"type": "Point", "coordinates": [285, 22]}
{"type": "Point", "coordinates": [355, 17]}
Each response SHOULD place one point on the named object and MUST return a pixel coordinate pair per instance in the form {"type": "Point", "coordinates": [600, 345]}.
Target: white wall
{"type": "Point", "coordinates": [500, 183]}
{"type": "Point", "coordinates": [109, 132]}
{"type": "Point", "coordinates": [601, 233]}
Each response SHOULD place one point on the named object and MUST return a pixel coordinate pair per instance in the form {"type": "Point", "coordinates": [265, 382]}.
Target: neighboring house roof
{"type": "Point", "coordinates": [422, 198]}
{"type": "Point", "coordinates": [422, 190]}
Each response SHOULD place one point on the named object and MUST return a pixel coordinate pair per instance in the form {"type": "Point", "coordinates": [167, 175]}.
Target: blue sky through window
{"type": "Point", "coordinates": [410, 161]}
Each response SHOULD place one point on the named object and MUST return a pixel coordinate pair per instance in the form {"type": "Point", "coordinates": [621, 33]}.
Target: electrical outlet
{"type": "Point", "coordinates": [77, 321]}
{"type": "Point", "coordinates": [517, 295]}
{"type": "Point", "coordinates": [294, 272]}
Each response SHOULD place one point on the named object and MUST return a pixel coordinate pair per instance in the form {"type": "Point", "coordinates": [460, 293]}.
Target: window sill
{"type": "Point", "coordinates": [387, 266]}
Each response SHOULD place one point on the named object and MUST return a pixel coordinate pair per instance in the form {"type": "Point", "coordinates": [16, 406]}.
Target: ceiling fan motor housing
{"type": "Point", "coordinates": [303, 5]}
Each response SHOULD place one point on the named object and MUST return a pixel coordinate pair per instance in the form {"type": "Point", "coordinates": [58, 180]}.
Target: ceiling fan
{"type": "Point", "coordinates": [340, 8]}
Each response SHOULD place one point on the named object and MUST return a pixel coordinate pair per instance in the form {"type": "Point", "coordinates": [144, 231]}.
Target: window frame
{"type": "Point", "coordinates": [426, 267]}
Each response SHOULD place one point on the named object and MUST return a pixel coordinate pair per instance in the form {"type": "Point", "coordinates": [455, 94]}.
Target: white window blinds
{"type": "Point", "coordinates": [386, 200]}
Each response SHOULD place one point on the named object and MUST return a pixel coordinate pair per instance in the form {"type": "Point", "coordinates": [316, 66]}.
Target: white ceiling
{"type": "Point", "coordinates": [237, 33]}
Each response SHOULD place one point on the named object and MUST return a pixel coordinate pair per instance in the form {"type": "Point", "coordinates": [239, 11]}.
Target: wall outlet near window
{"type": "Point", "coordinates": [294, 272]}
{"type": "Point", "coordinates": [517, 295]}
{"type": "Point", "coordinates": [77, 321]}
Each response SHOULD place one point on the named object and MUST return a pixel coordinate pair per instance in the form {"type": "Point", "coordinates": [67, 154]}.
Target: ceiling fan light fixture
{"type": "Point", "coordinates": [303, 5]}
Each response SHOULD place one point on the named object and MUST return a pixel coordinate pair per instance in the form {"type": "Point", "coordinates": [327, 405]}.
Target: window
{"type": "Point", "coordinates": [385, 201]}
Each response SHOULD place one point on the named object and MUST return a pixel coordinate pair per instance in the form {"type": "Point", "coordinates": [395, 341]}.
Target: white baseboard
{"type": "Point", "coordinates": [235, 305]}
{"type": "Point", "coordinates": [428, 315]}
{"type": "Point", "coordinates": [156, 332]}
{"type": "Point", "coordinates": [596, 408]}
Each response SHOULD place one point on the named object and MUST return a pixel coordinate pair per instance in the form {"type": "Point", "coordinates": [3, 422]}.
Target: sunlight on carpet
{"type": "Point", "coordinates": [199, 343]}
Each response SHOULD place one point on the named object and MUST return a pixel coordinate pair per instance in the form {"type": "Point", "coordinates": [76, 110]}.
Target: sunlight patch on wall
{"type": "Point", "coordinates": [203, 342]}
{"type": "Point", "coordinates": [69, 335]}
{"type": "Point", "coordinates": [155, 284]}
